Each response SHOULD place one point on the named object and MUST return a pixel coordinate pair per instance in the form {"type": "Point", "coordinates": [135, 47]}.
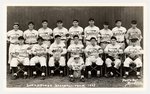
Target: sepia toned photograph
{"type": "Point", "coordinates": [75, 47]}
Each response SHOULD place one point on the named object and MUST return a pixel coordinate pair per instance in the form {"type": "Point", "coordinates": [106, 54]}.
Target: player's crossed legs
{"type": "Point", "coordinates": [93, 64]}
{"type": "Point", "coordinates": [19, 65]}
{"type": "Point", "coordinates": [112, 67]}
{"type": "Point", "coordinates": [131, 64]}
{"type": "Point", "coordinates": [41, 60]}
{"type": "Point", "coordinates": [57, 64]}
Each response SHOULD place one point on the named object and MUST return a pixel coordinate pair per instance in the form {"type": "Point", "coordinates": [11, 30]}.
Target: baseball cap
{"type": "Point", "coordinates": [75, 20]}
{"type": "Point", "coordinates": [106, 23]}
{"type": "Point", "coordinates": [113, 37]}
{"type": "Point", "coordinates": [75, 36]}
{"type": "Point", "coordinates": [16, 23]}
{"type": "Point", "coordinates": [21, 38]}
{"type": "Point", "coordinates": [56, 36]}
{"type": "Point", "coordinates": [92, 38]}
{"type": "Point", "coordinates": [134, 39]}
{"type": "Point", "coordinates": [117, 21]}
{"type": "Point", "coordinates": [91, 19]}
{"type": "Point", "coordinates": [30, 23]}
{"type": "Point", "coordinates": [76, 56]}
{"type": "Point", "coordinates": [59, 21]}
{"type": "Point", "coordinates": [133, 22]}
{"type": "Point", "coordinates": [40, 38]}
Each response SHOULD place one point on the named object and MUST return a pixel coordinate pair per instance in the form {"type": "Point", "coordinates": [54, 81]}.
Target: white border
{"type": "Point", "coordinates": [75, 90]}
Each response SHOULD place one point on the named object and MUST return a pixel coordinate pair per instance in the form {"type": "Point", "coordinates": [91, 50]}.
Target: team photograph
{"type": "Point", "coordinates": [75, 47]}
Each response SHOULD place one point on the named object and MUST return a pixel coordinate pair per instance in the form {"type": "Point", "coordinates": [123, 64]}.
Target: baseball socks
{"type": "Point", "coordinates": [138, 74]}
{"type": "Point", "coordinates": [14, 70]}
{"type": "Point", "coordinates": [61, 71]}
{"type": "Point", "coordinates": [126, 72]}
{"type": "Point", "coordinates": [25, 73]}
{"type": "Point", "coordinates": [98, 71]}
{"type": "Point", "coordinates": [82, 75]}
{"type": "Point", "coordinates": [43, 72]}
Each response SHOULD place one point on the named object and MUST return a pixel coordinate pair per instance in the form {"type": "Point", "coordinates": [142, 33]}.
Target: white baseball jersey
{"type": "Point", "coordinates": [133, 50]}
{"type": "Point", "coordinates": [75, 49]}
{"type": "Point", "coordinates": [62, 32]}
{"type": "Point", "coordinates": [13, 35]}
{"type": "Point", "coordinates": [119, 33]}
{"type": "Point", "coordinates": [76, 31]}
{"type": "Point", "coordinates": [39, 50]}
{"type": "Point", "coordinates": [21, 51]}
{"type": "Point", "coordinates": [112, 50]}
{"type": "Point", "coordinates": [57, 49]}
{"type": "Point", "coordinates": [91, 32]}
{"type": "Point", "coordinates": [106, 35]}
{"type": "Point", "coordinates": [77, 65]}
{"type": "Point", "coordinates": [93, 50]}
{"type": "Point", "coordinates": [45, 33]}
{"type": "Point", "coordinates": [133, 33]}
{"type": "Point", "coordinates": [30, 36]}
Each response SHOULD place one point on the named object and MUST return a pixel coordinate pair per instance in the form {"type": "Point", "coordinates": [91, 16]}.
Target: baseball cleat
{"type": "Point", "coordinates": [71, 79]}
{"type": "Point", "coordinates": [25, 76]}
{"type": "Point", "coordinates": [14, 77]}
{"type": "Point", "coordinates": [82, 79]}
{"type": "Point", "coordinates": [139, 76]}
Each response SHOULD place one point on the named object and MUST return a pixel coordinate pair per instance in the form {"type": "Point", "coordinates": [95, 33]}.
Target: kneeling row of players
{"type": "Point", "coordinates": [77, 67]}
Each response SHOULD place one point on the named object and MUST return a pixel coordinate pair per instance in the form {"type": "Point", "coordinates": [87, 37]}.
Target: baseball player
{"type": "Point", "coordinates": [119, 32]}
{"type": "Point", "coordinates": [39, 51]}
{"type": "Point", "coordinates": [77, 65]}
{"type": "Point", "coordinates": [133, 32]}
{"type": "Point", "coordinates": [62, 31]}
{"type": "Point", "coordinates": [106, 35]}
{"type": "Point", "coordinates": [12, 37]}
{"type": "Point", "coordinates": [76, 30]}
{"type": "Point", "coordinates": [57, 50]}
{"type": "Point", "coordinates": [75, 49]}
{"type": "Point", "coordinates": [113, 61]}
{"type": "Point", "coordinates": [20, 55]}
{"type": "Point", "coordinates": [46, 33]}
{"type": "Point", "coordinates": [31, 34]}
{"type": "Point", "coordinates": [92, 53]}
{"type": "Point", "coordinates": [133, 59]}
{"type": "Point", "coordinates": [91, 31]}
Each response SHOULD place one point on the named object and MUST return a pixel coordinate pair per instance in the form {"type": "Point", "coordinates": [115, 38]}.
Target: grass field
{"type": "Point", "coordinates": [63, 82]}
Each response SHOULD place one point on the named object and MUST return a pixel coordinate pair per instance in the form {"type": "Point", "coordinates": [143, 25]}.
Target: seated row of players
{"type": "Point", "coordinates": [20, 54]}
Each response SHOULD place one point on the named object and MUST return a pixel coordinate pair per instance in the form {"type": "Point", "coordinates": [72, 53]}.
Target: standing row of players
{"type": "Point", "coordinates": [109, 41]}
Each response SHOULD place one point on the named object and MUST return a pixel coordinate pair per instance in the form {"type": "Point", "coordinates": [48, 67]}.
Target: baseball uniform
{"type": "Point", "coordinates": [119, 33]}
{"type": "Point", "coordinates": [133, 52]}
{"type": "Point", "coordinates": [46, 34]}
{"type": "Point", "coordinates": [62, 32]}
{"type": "Point", "coordinates": [20, 55]}
{"type": "Point", "coordinates": [13, 39]}
{"type": "Point", "coordinates": [39, 52]}
{"type": "Point", "coordinates": [133, 33]}
{"type": "Point", "coordinates": [74, 49]}
{"type": "Point", "coordinates": [92, 53]}
{"type": "Point", "coordinates": [113, 51]}
{"type": "Point", "coordinates": [106, 35]}
{"type": "Point", "coordinates": [30, 36]}
{"type": "Point", "coordinates": [77, 66]}
{"type": "Point", "coordinates": [76, 31]}
{"type": "Point", "coordinates": [91, 32]}
{"type": "Point", "coordinates": [57, 50]}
